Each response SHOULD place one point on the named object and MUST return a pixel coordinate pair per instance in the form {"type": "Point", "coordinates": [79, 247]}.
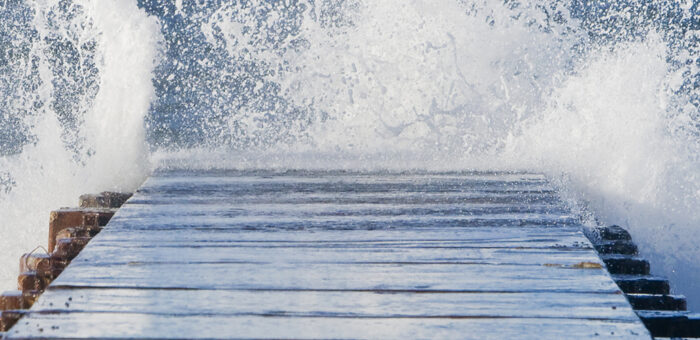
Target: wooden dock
{"type": "Point", "coordinates": [336, 255]}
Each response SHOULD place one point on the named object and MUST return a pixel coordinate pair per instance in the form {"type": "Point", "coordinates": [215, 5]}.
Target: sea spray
{"type": "Point", "coordinates": [612, 131]}
{"type": "Point", "coordinates": [603, 97]}
{"type": "Point", "coordinates": [77, 85]}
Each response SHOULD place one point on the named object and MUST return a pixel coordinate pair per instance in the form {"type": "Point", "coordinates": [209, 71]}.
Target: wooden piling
{"type": "Point", "coordinates": [663, 314]}
{"type": "Point", "coordinates": [622, 247]}
{"type": "Point", "coordinates": [17, 299]}
{"type": "Point", "coordinates": [71, 218]}
{"type": "Point", "coordinates": [614, 232]}
{"type": "Point", "coordinates": [657, 302]}
{"type": "Point", "coordinates": [624, 264]}
{"type": "Point", "coordinates": [671, 324]}
{"type": "Point", "coordinates": [9, 318]}
{"type": "Point", "coordinates": [642, 284]}
{"type": "Point", "coordinates": [70, 229]}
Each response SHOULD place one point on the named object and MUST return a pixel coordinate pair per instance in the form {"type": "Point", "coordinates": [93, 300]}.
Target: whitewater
{"type": "Point", "coordinates": [602, 98]}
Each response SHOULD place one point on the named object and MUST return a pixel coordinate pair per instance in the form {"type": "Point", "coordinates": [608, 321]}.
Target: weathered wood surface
{"type": "Point", "coordinates": [316, 255]}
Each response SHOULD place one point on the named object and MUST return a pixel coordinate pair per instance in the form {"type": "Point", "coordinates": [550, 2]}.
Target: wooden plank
{"type": "Point", "coordinates": [339, 304]}
{"type": "Point", "coordinates": [205, 187]}
{"type": "Point", "coordinates": [268, 252]}
{"type": "Point", "coordinates": [341, 215]}
{"type": "Point", "coordinates": [324, 209]}
{"type": "Point", "coordinates": [220, 187]}
{"type": "Point", "coordinates": [142, 326]}
{"type": "Point", "coordinates": [200, 178]}
{"type": "Point", "coordinates": [155, 198]}
{"type": "Point", "coordinates": [427, 236]}
{"type": "Point", "coordinates": [174, 173]}
{"type": "Point", "coordinates": [339, 224]}
{"type": "Point", "coordinates": [284, 276]}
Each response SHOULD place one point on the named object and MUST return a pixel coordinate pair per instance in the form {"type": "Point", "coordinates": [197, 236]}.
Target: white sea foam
{"type": "Point", "coordinates": [445, 84]}
{"type": "Point", "coordinates": [99, 147]}
{"type": "Point", "coordinates": [613, 137]}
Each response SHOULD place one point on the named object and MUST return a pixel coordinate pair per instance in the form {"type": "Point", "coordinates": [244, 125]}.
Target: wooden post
{"type": "Point", "coordinates": [16, 299]}
{"type": "Point", "coordinates": [71, 218]}
{"type": "Point", "coordinates": [31, 281]}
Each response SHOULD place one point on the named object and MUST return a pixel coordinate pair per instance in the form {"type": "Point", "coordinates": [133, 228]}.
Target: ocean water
{"type": "Point", "coordinates": [603, 97]}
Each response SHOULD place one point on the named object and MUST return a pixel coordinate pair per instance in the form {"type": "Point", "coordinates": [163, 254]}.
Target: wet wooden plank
{"type": "Point", "coordinates": [340, 304]}
{"type": "Point", "coordinates": [334, 216]}
{"type": "Point", "coordinates": [297, 254]}
{"type": "Point", "coordinates": [140, 326]}
{"type": "Point", "coordinates": [419, 198]}
{"type": "Point", "coordinates": [316, 224]}
{"type": "Point", "coordinates": [203, 178]}
{"type": "Point", "coordinates": [232, 211]}
{"type": "Point", "coordinates": [213, 187]}
{"type": "Point", "coordinates": [449, 277]}
{"type": "Point", "coordinates": [346, 253]}
{"type": "Point", "coordinates": [260, 185]}
{"type": "Point", "coordinates": [465, 237]}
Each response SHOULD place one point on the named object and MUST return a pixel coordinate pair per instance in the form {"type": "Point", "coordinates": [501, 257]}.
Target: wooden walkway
{"type": "Point", "coordinates": [319, 255]}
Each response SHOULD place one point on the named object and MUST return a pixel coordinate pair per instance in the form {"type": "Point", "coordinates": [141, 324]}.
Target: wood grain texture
{"type": "Point", "coordinates": [231, 254]}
